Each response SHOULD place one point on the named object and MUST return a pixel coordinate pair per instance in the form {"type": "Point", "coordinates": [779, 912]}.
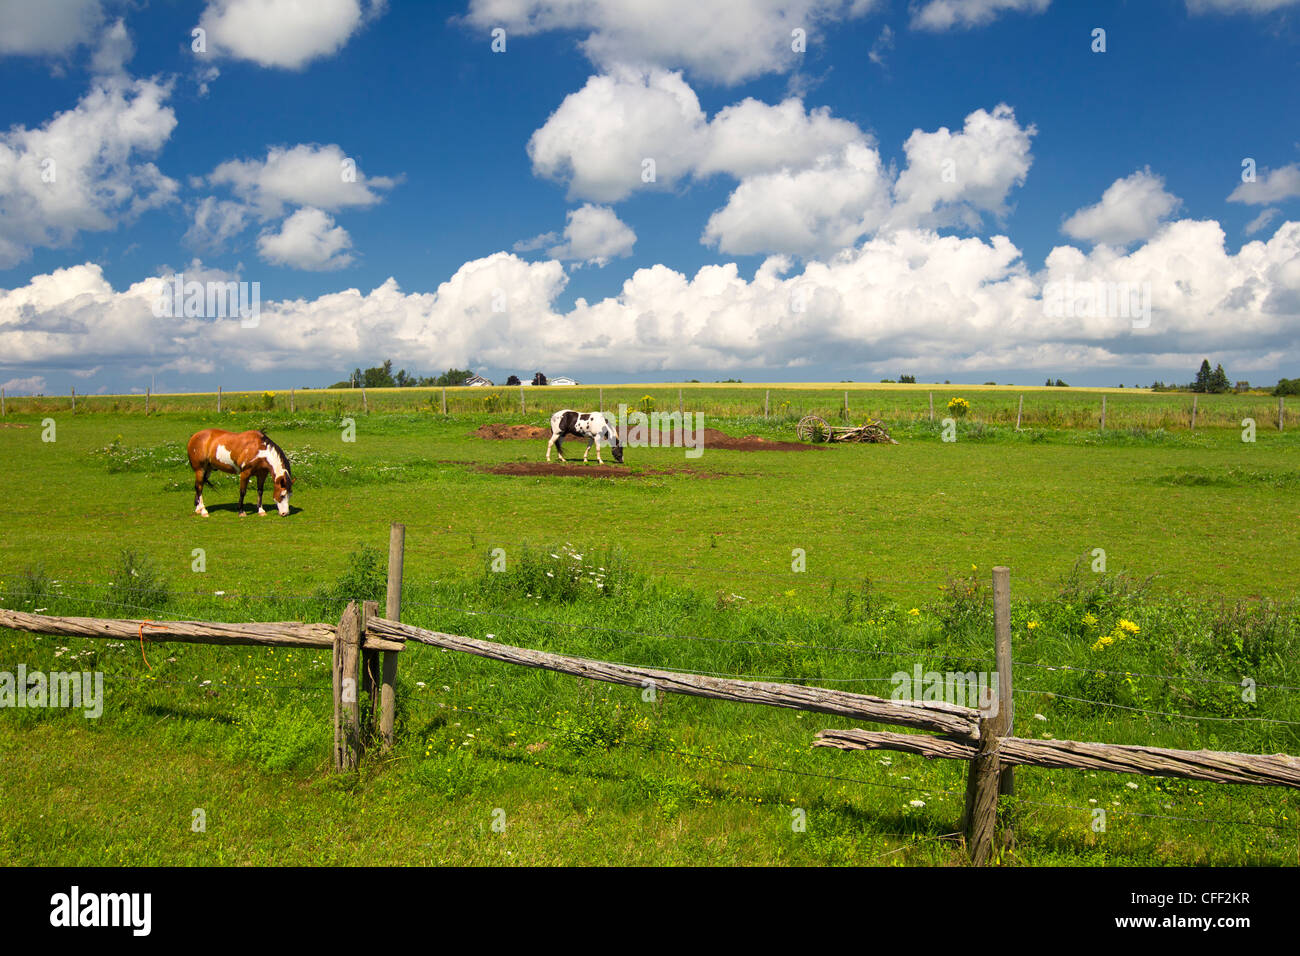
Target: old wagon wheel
{"type": "Point", "coordinates": [813, 429]}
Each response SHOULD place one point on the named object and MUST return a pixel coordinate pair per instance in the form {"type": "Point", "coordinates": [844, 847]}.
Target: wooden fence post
{"type": "Point", "coordinates": [3, 411]}
{"type": "Point", "coordinates": [444, 399]}
{"type": "Point", "coordinates": [767, 398]}
{"type": "Point", "coordinates": [347, 704]}
{"type": "Point", "coordinates": [1194, 400]}
{"type": "Point", "coordinates": [365, 404]}
{"type": "Point", "coordinates": [1020, 410]}
{"type": "Point", "coordinates": [985, 777]}
{"type": "Point", "coordinates": [147, 395]}
{"type": "Point", "coordinates": [218, 399]}
{"type": "Point", "coordinates": [1281, 406]}
{"type": "Point", "coordinates": [392, 611]}
{"type": "Point", "coordinates": [292, 406]}
{"type": "Point", "coordinates": [521, 400]}
{"type": "Point", "coordinates": [1103, 413]}
{"type": "Point", "coordinates": [74, 400]}
{"type": "Point", "coordinates": [846, 405]}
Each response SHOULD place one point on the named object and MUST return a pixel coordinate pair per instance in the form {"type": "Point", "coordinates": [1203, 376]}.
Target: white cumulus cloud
{"type": "Point", "coordinates": [964, 14]}
{"type": "Point", "coordinates": [1131, 208]}
{"type": "Point", "coordinates": [723, 41]}
{"type": "Point", "coordinates": [283, 33]}
{"type": "Point", "coordinates": [308, 239]}
{"type": "Point", "coordinates": [84, 169]}
{"type": "Point", "coordinates": [594, 234]}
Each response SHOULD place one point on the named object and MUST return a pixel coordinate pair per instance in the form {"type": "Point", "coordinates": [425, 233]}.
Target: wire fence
{"type": "Point", "coordinates": [549, 624]}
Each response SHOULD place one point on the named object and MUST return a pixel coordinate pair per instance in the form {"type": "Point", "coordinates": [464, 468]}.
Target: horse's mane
{"type": "Point", "coordinates": [288, 470]}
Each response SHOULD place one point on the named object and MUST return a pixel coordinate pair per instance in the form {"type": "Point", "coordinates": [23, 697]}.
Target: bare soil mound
{"type": "Point", "coordinates": [507, 432]}
{"type": "Point", "coordinates": [716, 439]}
{"type": "Point", "coordinates": [712, 438]}
{"type": "Point", "coordinates": [576, 469]}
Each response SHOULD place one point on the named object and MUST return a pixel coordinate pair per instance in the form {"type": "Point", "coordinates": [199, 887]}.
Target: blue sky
{"type": "Point", "coordinates": [825, 176]}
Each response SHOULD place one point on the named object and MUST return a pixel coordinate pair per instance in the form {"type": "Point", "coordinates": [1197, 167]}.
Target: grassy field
{"type": "Point", "coordinates": [694, 562]}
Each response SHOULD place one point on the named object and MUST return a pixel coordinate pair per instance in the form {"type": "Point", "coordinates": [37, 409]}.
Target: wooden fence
{"type": "Point", "coordinates": [983, 737]}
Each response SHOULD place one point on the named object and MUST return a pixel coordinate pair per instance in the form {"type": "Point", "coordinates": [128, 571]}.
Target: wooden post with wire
{"type": "Point", "coordinates": [393, 612]}
{"type": "Point", "coordinates": [365, 404]}
{"type": "Point", "coordinates": [1103, 413]}
{"type": "Point", "coordinates": [767, 399]}
{"type": "Point", "coordinates": [292, 406]}
{"type": "Point", "coordinates": [218, 399]}
{"type": "Point", "coordinates": [986, 778]}
{"type": "Point", "coordinates": [1020, 410]}
{"type": "Point", "coordinates": [74, 401]}
{"type": "Point", "coordinates": [444, 399]}
{"type": "Point", "coordinates": [347, 704]}
{"type": "Point", "coordinates": [521, 400]}
{"type": "Point", "coordinates": [932, 406]}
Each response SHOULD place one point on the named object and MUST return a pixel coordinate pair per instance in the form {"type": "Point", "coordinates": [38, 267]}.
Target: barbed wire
{"type": "Point", "coordinates": [1155, 816]}
{"type": "Point", "coordinates": [1157, 713]}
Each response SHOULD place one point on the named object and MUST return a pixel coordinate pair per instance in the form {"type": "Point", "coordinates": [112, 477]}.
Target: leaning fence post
{"type": "Point", "coordinates": [347, 706]}
{"type": "Point", "coordinates": [985, 777]}
{"type": "Point", "coordinates": [1020, 411]}
{"type": "Point", "coordinates": [365, 405]}
{"type": "Point", "coordinates": [392, 611]}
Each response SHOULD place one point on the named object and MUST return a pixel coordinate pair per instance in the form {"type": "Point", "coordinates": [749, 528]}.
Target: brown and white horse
{"type": "Point", "coordinates": [244, 454]}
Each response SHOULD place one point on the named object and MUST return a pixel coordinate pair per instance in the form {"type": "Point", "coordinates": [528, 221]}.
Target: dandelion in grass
{"type": "Point", "coordinates": [915, 612]}
{"type": "Point", "coordinates": [1128, 627]}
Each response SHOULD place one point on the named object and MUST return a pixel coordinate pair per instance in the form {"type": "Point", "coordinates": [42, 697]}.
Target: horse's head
{"type": "Point", "coordinates": [283, 489]}
{"type": "Point", "coordinates": [615, 445]}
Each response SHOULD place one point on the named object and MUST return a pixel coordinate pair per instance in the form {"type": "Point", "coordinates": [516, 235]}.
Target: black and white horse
{"type": "Point", "coordinates": [593, 426]}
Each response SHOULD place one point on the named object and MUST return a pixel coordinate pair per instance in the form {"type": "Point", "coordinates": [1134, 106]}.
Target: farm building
{"type": "Point", "coordinates": [478, 381]}
{"type": "Point", "coordinates": [564, 380]}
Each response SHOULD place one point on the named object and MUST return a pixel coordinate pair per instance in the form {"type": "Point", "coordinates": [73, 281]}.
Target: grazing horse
{"type": "Point", "coordinates": [244, 454]}
{"type": "Point", "coordinates": [592, 426]}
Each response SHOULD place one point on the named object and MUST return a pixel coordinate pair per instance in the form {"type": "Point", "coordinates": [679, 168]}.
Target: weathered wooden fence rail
{"type": "Point", "coordinates": [924, 715]}
{"type": "Point", "coordinates": [984, 737]}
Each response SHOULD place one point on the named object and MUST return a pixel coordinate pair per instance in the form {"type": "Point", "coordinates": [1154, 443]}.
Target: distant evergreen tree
{"type": "Point", "coordinates": [1204, 378]}
{"type": "Point", "coordinates": [513, 380]}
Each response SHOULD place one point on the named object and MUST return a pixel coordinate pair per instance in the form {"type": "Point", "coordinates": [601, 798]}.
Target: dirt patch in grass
{"type": "Point", "coordinates": [498, 432]}
{"type": "Point", "coordinates": [712, 438]}
{"type": "Point", "coordinates": [720, 440]}
{"type": "Point", "coordinates": [588, 471]}
{"type": "Point", "coordinates": [13, 425]}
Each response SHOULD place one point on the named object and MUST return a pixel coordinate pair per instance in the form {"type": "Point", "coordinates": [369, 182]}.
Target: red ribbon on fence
{"type": "Point", "coordinates": [144, 624]}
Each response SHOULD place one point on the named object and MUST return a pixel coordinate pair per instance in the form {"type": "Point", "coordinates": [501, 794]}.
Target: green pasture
{"type": "Point", "coordinates": [695, 561]}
